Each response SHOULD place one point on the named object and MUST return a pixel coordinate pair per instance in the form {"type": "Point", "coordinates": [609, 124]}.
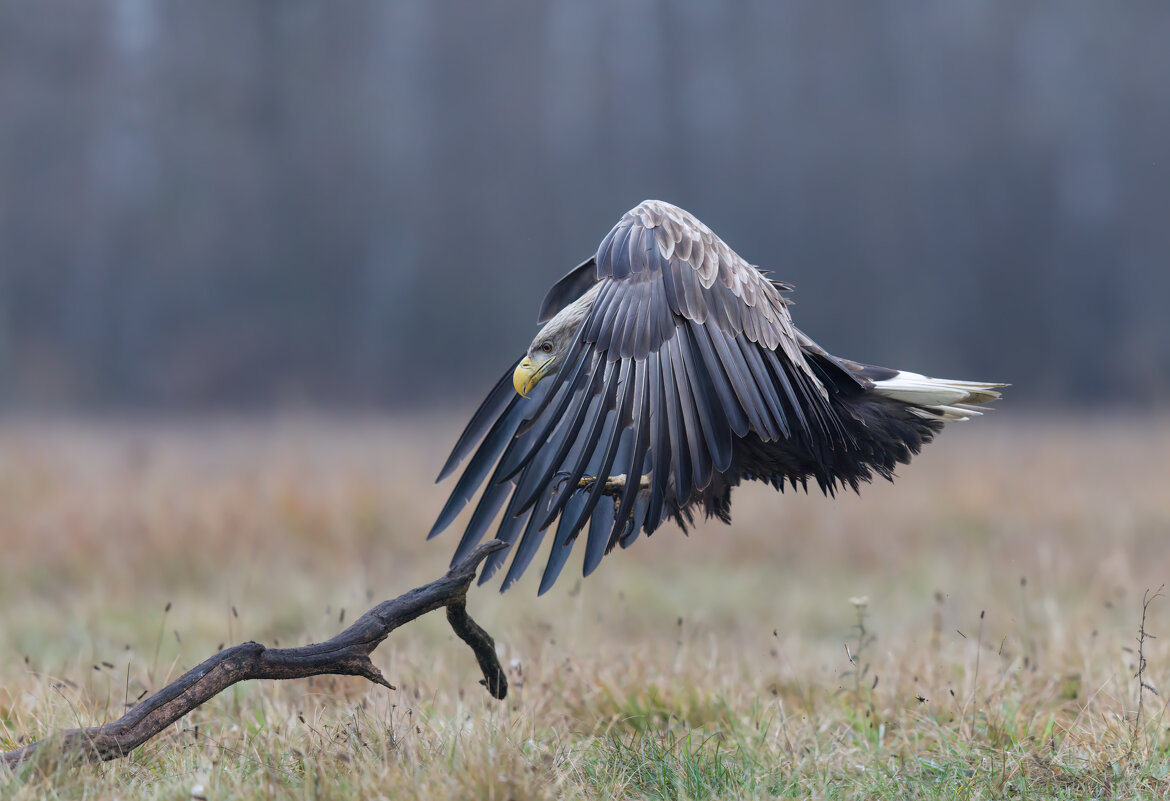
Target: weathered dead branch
{"type": "Point", "coordinates": [347, 654]}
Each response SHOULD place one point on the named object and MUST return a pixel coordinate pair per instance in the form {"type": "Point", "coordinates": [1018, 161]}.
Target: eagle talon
{"type": "Point", "coordinates": [587, 482]}
{"type": "Point", "coordinates": [559, 480]}
{"type": "Point", "coordinates": [614, 485]}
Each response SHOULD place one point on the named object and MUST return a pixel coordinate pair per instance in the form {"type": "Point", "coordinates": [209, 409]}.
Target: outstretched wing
{"type": "Point", "coordinates": [686, 347]}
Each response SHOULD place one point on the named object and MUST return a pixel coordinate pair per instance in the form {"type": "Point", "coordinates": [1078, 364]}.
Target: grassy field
{"type": "Point", "coordinates": [970, 632]}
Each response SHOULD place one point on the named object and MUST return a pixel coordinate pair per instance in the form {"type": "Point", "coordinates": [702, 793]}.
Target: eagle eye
{"type": "Point", "coordinates": [546, 347]}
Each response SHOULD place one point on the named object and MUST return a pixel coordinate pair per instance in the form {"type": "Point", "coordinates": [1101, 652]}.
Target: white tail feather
{"type": "Point", "coordinates": [940, 398]}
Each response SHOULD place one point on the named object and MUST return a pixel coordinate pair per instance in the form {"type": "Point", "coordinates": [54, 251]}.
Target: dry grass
{"type": "Point", "coordinates": [1003, 575]}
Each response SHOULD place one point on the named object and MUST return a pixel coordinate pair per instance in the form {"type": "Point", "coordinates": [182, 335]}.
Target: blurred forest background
{"type": "Point", "coordinates": [246, 204]}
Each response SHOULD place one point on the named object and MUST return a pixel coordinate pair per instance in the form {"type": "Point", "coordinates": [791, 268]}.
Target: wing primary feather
{"type": "Point", "coordinates": [513, 520]}
{"type": "Point", "coordinates": [781, 373]}
{"type": "Point", "coordinates": [637, 522]}
{"type": "Point", "coordinates": [562, 547]}
{"type": "Point", "coordinates": [509, 528]}
{"type": "Point", "coordinates": [601, 522]}
{"type": "Point", "coordinates": [485, 511]}
{"type": "Point", "coordinates": [532, 482]}
{"type": "Point", "coordinates": [617, 311]}
{"type": "Point", "coordinates": [565, 439]}
{"type": "Point", "coordinates": [487, 413]}
{"type": "Point", "coordinates": [600, 536]}
{"type": "Point", "coordinates": [767, 429]}
{"type": "Point", "coordinates": [610, 394]}
{"type": "Point", "coordinates": [677, 426]}
{"type": "Point", "coordinates": [732, 407]}
{"type": "Point", "coordinates": [591, 328]}
{"type": "Point", "coordinates": [767, 387]}
{"type": "Point", "coordinates": [739, 376]}
{"type": "Point", "coordinates": [529, 542]}
{"type": "Point", "coordinates": [595, 550]}
{"type": "Point", "coordinates": [497, 490]}
{"type": "Point", "coordinates": [535, 528]}
{"type": "Point", "coordinates": [659, 442]}
{"type": "Point", "coordinates": [699, 458]}
{"type": "Point", "coordinates": [641, 426]}
{"type": "Point", "coordinates": [712, 423]}
{"type": "Point", "coordinates": [477, 468]}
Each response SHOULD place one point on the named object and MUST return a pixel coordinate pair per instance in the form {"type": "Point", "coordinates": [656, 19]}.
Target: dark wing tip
{"type": "Point", "coordinates": [493, 406]}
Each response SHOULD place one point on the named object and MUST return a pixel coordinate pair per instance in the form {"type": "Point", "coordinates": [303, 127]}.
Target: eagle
{"type": "Point", "coordinates": [667, 371]}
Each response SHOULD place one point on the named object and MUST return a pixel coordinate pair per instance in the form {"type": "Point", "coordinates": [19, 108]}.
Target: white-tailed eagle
{"type": "Point", "coordinates": [668, 371]}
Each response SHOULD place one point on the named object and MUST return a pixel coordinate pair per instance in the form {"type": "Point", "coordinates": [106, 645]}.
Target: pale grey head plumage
{"type": "Point", "coordinates": [548, 350]}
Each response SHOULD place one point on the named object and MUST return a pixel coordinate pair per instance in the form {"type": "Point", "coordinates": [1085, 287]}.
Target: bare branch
{"type": "Point", "coordinates": [347, 654]}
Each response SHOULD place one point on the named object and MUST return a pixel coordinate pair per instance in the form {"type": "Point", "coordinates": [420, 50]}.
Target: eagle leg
{"type": "Point", "coordinates": [614, 487]}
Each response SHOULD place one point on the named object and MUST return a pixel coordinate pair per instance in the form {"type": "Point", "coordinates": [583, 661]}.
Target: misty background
{"type": "Point", "coordinates": [244, 204]}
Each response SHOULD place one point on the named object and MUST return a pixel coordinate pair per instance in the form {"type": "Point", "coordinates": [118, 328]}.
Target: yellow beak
{"type": "Point", "coordinates": [528, 375]}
